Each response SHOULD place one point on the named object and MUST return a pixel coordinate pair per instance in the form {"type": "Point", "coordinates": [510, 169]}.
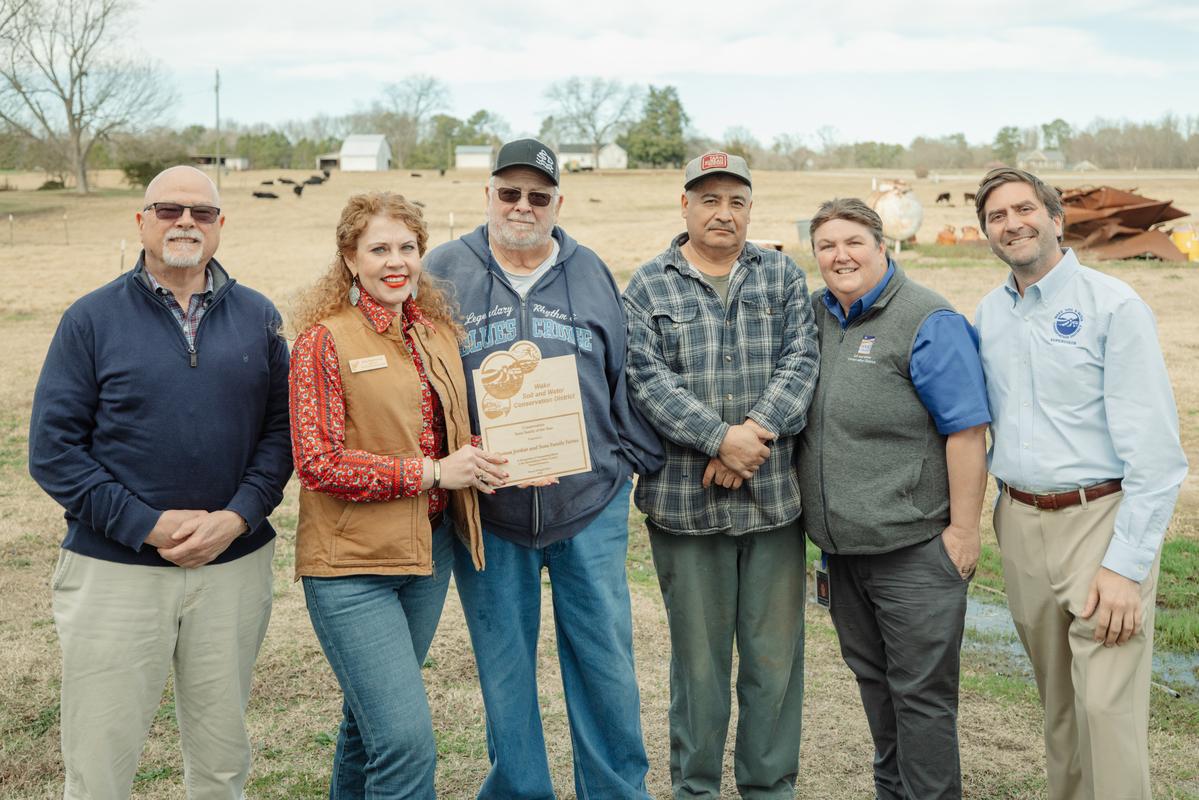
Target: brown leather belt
{"type": "Point", "coordinates": [1057, 500]}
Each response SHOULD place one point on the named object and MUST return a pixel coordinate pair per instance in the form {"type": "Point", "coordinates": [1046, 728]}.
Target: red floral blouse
{"type": "Point", "coordinates": [318, 413]}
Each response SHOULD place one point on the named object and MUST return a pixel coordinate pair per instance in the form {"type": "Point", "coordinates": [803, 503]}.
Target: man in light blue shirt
{"type": "Point", "coordinates": [1087, 452]}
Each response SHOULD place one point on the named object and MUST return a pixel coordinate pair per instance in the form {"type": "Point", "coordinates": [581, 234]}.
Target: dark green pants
{"type": "Point", "coordinates": [720, 589]}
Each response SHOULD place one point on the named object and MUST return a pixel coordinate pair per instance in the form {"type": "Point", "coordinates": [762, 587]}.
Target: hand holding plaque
{"type": "Point", "coordinates": [530, 410]}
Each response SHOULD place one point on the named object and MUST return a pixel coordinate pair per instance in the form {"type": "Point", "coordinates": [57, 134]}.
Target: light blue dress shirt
{"type": "Point", "coordinates": [1079, 394]}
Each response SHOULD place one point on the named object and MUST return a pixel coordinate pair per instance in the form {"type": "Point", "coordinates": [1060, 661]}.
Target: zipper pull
{"type": "Point", "coordinates": [191, 349]}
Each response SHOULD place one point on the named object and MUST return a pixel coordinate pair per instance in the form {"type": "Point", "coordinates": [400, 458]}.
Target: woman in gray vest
{"type": "Point", "coordinates": [892, 470]}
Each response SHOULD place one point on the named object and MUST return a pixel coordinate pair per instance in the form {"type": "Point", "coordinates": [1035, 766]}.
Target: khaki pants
{"type": "Point", "coordinates": [1096, 698]}
{"type": "Point", "coordinates": [122, 628]}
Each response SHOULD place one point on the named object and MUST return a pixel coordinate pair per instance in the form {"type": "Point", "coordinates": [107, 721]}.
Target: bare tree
{"type": "Point", "coordinates": [65, 81]}
{"type": "Point", "coordinates": [594, 109]}
{"type": "Point", "coordinates": [10, 11]}
{"type": "Point", "coordinates": [410, 105]}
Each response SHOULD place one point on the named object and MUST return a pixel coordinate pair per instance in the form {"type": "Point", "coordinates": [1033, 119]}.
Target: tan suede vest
{"type": "Point", "coordinates": [383, 415]}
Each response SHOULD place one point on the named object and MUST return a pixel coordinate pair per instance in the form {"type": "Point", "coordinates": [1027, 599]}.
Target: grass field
{"type": "Point", "coordinates": [63, 246]}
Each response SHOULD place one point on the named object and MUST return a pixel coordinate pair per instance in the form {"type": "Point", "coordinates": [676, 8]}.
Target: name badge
{"type": "Point", "coordinates": [367, 364]}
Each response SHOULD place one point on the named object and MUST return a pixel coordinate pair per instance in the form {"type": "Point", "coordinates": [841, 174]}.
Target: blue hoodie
{"type": "Point", "coordinates": [574, 309]}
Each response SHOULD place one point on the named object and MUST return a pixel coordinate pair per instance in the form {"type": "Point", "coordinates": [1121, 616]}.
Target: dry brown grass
{"type": "Point", "coordinates": [278, 247]}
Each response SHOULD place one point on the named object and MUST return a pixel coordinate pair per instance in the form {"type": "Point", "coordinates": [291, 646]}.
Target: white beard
{"type": "Point", "coordinates": [189, 258]}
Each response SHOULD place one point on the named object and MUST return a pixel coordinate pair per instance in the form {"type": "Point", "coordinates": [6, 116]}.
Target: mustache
{"type": "Point", "coordinates": [175, 233]}
{"type": "Point", "coordinates": [1019, 234]}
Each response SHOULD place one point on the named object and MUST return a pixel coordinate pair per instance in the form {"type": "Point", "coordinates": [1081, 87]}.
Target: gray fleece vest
{"type": "Point", "coordinates": [871, 463]}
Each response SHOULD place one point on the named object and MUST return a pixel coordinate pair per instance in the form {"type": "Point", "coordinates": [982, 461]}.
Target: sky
{"type": "Point", "coordinates": [886, 71]}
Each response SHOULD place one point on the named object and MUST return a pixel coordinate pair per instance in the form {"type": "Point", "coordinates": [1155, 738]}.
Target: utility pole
{"type": "Point", "coordinates": [217, 90]}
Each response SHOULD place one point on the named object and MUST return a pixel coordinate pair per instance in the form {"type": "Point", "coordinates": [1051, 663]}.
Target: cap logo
{"type": "Point", "coordinates": [714, 161]}
{"type": "Point", "coordinates": [546, 162]}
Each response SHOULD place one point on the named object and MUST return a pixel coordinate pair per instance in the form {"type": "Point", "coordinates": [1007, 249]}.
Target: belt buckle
{"type": "Point", "coordinates": [1045, 502]}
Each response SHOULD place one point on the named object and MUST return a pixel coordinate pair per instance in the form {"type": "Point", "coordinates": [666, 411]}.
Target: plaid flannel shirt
{"type": "Point", "coordinates": [695, 367]}
{"type": "Point", "coordinates": [188, 320]}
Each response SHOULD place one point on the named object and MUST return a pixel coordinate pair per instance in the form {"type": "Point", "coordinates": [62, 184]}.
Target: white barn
{"type": "Point", "coordinates": [576, 157]}
{"type": "Point", "coordinates": [365, 152]}
{"type": "Point", "coordinates": [474, 156]}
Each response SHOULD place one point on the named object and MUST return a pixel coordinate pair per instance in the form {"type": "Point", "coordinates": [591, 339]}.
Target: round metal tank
{"type": "Point", "coordinates": [901, 212]}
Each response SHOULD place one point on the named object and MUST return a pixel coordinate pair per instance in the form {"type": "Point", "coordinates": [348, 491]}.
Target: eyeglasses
{"type": "Point", "coordinates": [201, 214]}
{"type": "Point", "coordinates": [509, 195]}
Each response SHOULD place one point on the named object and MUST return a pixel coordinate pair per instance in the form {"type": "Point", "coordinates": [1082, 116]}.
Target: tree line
{"type": "Point", "coordinates": [74, 99]}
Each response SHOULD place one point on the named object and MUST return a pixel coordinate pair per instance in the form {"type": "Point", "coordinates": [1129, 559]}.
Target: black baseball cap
{"type": "Point", "coordinates": [528, 153]}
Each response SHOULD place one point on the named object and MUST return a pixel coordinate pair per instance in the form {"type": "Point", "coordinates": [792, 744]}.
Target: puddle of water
{"type": "Point", "coordinates": [989, 630]}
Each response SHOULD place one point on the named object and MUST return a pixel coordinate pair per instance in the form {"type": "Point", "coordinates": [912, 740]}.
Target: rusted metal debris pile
{"type": "Point", "coordinates": [1112, 223]}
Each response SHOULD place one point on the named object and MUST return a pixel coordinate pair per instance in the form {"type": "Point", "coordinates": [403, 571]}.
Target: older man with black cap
{"type": "Point", "coordinates": [519, 276]}
{"type": "Point", "coordinates": [723, 362]}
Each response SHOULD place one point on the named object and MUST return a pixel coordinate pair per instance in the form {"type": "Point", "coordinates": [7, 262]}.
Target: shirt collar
{"type": "Point", "coordinates": [863, 303]}
{"type": "Point", "coordinates": [750, 255]}
{"type": "Point", "coordinates": [158, 288]}
{"type": "Point", "coordinates": [1053, 281]}
{"type": "Point", "coordinates": [381, 317]}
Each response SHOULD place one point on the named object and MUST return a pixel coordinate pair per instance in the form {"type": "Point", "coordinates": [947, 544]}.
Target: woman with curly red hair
{"type": "Point", "coordinates": [388, 470]}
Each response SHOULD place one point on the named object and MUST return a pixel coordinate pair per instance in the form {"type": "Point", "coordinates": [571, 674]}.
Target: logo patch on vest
{"type": "Point", "coordinates": [865, 347]}
{"type": "Point", "coordinates": [368, 363]}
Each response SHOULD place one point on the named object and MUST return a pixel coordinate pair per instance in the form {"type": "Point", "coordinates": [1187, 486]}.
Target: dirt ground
{"type": "Point", "coordinates": [64, 246]}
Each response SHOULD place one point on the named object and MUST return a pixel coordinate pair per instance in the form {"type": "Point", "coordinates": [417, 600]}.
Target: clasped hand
{"type": "Point", "coordinates": [744, 449]}
{"type": "Point", "coordinates": [191, 538]}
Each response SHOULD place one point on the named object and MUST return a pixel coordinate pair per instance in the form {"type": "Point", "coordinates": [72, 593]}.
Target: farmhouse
{"type": "Point", "coordinates": [1041, 159]}
{"type": "Point", "coordinates": [232, 163]}
{"type": "Point", "coordinates": [474, 156]}
{"type": "Point", "coordinates": [575, 157]}
{"type": "Point", "coordinates": [365, 152]}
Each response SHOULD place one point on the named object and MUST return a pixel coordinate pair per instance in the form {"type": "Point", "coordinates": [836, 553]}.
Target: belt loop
{"type": "Point", "coordinates": [1082, 497]}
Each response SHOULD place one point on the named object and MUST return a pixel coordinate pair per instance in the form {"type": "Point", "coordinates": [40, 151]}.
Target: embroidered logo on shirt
{"type": "Point", "coordinates": [1067, 322]}
{"type": "Point", "coordinates": [866, 345]}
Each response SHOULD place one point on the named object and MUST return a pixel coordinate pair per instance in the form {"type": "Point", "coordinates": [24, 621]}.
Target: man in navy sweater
{"type": "Point", "coordinates": [160, 425]}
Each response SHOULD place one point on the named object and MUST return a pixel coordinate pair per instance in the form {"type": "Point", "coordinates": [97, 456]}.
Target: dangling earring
{"type": "Point", "coordinates": [355, 292]}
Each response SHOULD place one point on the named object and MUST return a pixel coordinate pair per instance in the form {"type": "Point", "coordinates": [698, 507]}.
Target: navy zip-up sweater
{"type": "Point", "coordinates": [574, 309]}
{"type": "Point", "coordinates": [128, 422]}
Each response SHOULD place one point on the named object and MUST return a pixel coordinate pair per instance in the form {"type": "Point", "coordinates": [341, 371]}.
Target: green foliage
{"type": "Point", "coordinates": [305, 152]}
{"type": "Point", "coordinates": [436, 150]}
{"type": "Point", "coordinates": [140, 173]}
{"type": "Point", "coordinates": [267, 149]}
{"type": "Point", "coordinates": [877, 154]}
{"type": "Point", "coordinates": [141, 158]}
{"type": "Point", "coordinates": [657, 140]}
{"type": "Point", "coordinates": [1007, 144]}
{"type": "Point", "coordinates": [1056, 135]}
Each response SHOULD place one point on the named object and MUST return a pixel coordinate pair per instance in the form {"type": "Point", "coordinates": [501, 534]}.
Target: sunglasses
{"type": "Point", "coordinates": [509, 195]}
{"type": "Point", "coordinates": [201, 214]}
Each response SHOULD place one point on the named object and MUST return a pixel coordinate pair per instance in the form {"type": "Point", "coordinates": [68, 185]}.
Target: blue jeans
{"type": "Point", "coordinates": [594, 627]}
{"type": "Point", "coordinates": [375, 631]}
